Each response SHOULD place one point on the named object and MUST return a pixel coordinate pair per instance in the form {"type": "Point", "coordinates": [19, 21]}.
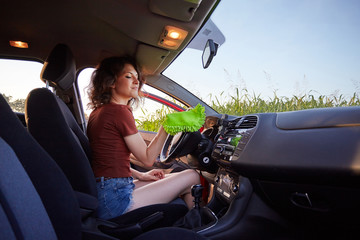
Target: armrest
{"type": "Point", "coordinates": [132, 230]}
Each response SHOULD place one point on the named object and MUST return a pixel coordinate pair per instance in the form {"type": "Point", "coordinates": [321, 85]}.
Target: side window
{"type": "Point", "coordinates": [152, 110]}
{"type": "Point", "coordinates": [18, 78]}
{"type": "Point", "coordinates": [148, 114]}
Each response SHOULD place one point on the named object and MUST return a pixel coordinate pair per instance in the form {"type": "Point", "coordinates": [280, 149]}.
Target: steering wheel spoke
{"type": "Point", "coordinates": [179, 145]}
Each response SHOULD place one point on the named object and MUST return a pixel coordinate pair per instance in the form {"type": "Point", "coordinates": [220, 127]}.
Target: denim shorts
{"type": "Point", "coordinates": [115, 196]}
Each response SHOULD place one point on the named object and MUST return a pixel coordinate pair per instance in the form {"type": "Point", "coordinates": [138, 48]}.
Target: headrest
{"type": "Point", "coordinates": [59, 69]}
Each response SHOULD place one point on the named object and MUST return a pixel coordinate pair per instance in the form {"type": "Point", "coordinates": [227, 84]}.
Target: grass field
{"type": "Point", "coordinates": [242, 103]}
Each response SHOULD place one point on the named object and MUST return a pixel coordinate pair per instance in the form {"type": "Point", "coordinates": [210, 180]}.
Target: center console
{"type": "Point", "coordinates": [233, 137]}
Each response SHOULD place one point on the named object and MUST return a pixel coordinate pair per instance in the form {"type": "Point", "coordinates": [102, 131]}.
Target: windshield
{"type": "Point", "coordinates": [278, 51]}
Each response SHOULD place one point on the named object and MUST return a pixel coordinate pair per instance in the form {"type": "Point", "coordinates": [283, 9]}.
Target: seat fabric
{"type": "Point", "coordinates": [26, 217]}
{"type": "Point", "coordinates": [60, 68]}
{"type": "Point", "coordinates": [49, 181]}
{"type": "Point", "coordinates": [172, 233]}
{"type": "Point", "coordinates": [52, 124]}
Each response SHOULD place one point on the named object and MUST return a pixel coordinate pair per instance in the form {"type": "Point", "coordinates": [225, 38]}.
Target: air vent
{"type": "Point", "coordinates": [247, 122]}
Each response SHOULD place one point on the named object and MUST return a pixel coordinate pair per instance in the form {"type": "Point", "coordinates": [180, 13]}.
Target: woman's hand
{"type": "Point", "coordinates": [152, 175]}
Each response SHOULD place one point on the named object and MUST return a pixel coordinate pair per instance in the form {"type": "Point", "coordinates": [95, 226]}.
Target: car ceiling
{"type": "Point", "coordinates": [95, 29]}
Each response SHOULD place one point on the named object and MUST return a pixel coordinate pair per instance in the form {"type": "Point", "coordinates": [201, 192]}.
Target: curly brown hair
{"type": "Point", "coordinates": [105, 76]}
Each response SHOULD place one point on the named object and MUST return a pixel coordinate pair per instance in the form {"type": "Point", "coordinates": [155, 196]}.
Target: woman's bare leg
{"type": "Point", "coordinates": [167, 189]}
{"type": "Point", "coordinates": [139, 183]}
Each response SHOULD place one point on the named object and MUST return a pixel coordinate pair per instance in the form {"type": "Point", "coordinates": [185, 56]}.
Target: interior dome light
{"type": "Point", "coordinates": [172, 37]}
{"type": "Point", "coordinates": [19, 44]}
{"type": "Point", "coordinates": [169, 43]}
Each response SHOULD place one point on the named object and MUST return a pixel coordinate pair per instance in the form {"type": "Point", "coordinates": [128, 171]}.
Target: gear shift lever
{"type": "Point", "coordinates": [196, 217]}
{"type": "Point", "coordinates": [196, 192]}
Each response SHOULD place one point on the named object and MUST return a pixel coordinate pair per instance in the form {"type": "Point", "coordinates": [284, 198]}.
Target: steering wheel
{"type": "Point", "coordinates": [179, 145]}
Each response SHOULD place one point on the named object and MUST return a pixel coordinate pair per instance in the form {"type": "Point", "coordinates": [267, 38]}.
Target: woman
{"type": "Point", "coordinates": [115, 86]}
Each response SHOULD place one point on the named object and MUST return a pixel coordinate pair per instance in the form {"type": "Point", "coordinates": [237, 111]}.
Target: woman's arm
{"type": "Point", "coordinates": [151, 175]}
{"type": "Point", "coordinates": [146, 154]}
{"type": "Point", "coordinates": [135, 174]}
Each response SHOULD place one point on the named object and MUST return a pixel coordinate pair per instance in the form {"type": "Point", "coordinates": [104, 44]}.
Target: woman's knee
{"type": "Point", "coordinates": [193, 176]}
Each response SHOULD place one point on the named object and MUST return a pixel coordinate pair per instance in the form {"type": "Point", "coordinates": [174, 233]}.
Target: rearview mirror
{"type": "Point", "coordinates": [209, 52]}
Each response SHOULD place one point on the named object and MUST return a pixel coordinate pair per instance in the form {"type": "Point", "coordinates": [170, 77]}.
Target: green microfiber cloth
{"type": "Point", "coordinates": [188, 121]}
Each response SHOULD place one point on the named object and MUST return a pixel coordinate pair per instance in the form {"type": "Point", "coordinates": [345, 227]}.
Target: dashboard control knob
{"type": "Point", "coordinates": [222, 148]}
{"type": "Point", "coordinates": [206, 160]}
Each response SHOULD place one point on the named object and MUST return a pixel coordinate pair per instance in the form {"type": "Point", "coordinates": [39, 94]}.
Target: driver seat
{"type": "Point", "coordinates": [52, 124]}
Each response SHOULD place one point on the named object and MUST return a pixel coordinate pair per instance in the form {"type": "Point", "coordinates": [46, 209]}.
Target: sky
{"type": "Point", "coordinates": [291, 47]}
{"type": "Point", "coordinates": [19, 77]}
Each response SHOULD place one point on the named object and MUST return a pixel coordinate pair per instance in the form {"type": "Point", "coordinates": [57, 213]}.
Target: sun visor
{"type": "Point", "coordinates": [150, 58]}
{"type": "Point", "coordinates": [179, 10]}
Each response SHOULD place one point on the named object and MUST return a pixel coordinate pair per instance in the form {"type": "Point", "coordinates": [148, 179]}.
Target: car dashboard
{"type": "Point", "coordinates": [304, 164]}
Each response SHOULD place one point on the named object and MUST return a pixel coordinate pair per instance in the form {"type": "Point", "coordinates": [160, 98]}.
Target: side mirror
{"type": "Point", "coordinates": [209, 52]}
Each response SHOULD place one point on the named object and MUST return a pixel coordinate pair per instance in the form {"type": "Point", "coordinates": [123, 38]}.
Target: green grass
{"type": "Point", "coordinates": [243, 103]}
{"type": "Point", "coordinates": [17, 105]}
{"type": "Point", "coordinates": [152, 121]}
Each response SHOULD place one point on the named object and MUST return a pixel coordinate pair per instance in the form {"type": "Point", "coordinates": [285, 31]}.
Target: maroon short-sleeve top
{"type": "Point", "coordinates": [107, 127]}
